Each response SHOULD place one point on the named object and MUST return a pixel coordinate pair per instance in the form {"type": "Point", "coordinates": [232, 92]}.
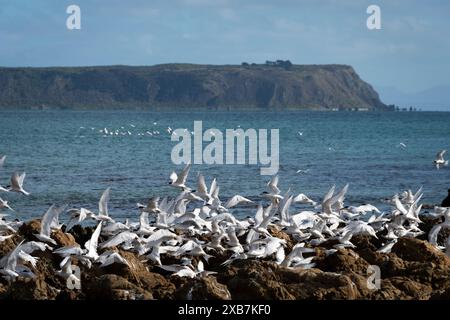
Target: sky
{"type": "Point", "coordinates": [409, 54]}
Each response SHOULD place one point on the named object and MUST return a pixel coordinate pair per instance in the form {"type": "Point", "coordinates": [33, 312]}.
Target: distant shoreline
{"type": "Point", "coordinates": [200, 110]}
{"type": "Point", "coordinates": [275, 86]}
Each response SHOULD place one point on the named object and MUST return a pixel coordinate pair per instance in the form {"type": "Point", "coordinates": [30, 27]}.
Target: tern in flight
{"type": "Point", "coordinates": [179, 181]}
{"type": "Point", "coordinates": [17, 183]}
{"type": "Point", "coordinates": [440, 161]}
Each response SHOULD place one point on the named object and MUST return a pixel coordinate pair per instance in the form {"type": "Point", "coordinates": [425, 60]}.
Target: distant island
{"type": "Point", "coordinates": [274, 85]}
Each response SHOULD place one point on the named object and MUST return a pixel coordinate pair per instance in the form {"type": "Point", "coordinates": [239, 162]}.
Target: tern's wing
{"type": "Point", "coordinates": [118, 239]}
{"type": "Point", "coordinates": [103, 203]}
{"type": "Point", "coordinates": [22, 178]}
{"type": "Point", "coordinates": [328, 195]}
{"type": "Point", "coordinates": [233, 201]}
{"type": "Point", "coordinates": [183, 175]}
{"type": "Point", "coordinates": [273, 185]}
{"type": "Point", "coordinates": [440, 155]}
{"type": "Point", "coordinates": [340, 196]}
{"type": "Point", "coordinates": [400, 207]}
{"type": "Point", "coordinates": [47, 219]}
{"type": "Point", "coordinates": [213, 186]}
{"type": "Point", "coordinates": [15, 178]}
{"type": "Point", "coordinates": [201, 185]}
{"type": "Point", "coordinates": [92, 244]}
{"type": "Point", "coordinates": [259, 216]}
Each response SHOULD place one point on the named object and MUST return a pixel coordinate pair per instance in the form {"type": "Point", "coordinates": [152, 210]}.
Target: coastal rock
{"type": "Point", "coordinates": [411, 249]}
{"type": "Point", "coordinates": [411, 288]}
{"type": "Point", "coordinates": [401, 288]}
{"type": "Point", "coordinates": [137, 272]}
{"type": "Point", "coordinates": [267, 280]}
{"type": "Point", "coordinates": [114, 287]}
{"type": "Point", "coordinates": [428, 222]}
{"type": "Point", "coordinates": [366, 242]}
{"type": "Point", "coordinates": [413, 270]}
{"type": "Point", "coordinates": [81, 234]}
{"type": "Point", "coordinates": [7, 246]}
{"type": "Point", "coordinates": [29, 229]}
{"type": "Point", "coordinates": [316, 284]}
{"type": "Point", "coordinates": [206, 288]}
{"type": "Point", "coordinates": [63, 239]}
{"type": "Point", "coordinates": [343, 260]}
{"type": "Point", "coordinates": [275, 232]}
{"type": "Point", "coordinates": [250, 279]}
{"type": "Point", "coordinates": [31, 289]}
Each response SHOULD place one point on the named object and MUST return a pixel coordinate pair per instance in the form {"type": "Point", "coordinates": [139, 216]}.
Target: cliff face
{"type": "Point", "coordinates": [179, 86]}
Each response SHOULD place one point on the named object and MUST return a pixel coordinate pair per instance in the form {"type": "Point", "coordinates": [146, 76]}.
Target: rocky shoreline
{"type": "Point", "coordinates": [414, 269]}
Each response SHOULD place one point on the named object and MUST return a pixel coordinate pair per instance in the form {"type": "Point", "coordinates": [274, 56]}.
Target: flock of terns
{"type": "Point", "coordinates": [129, 130]}
{"type": "Point", "coordinates": [178, 228]}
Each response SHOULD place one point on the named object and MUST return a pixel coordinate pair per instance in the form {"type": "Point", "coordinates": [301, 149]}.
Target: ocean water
{"type": "Point", "coordinates": [68, 161]}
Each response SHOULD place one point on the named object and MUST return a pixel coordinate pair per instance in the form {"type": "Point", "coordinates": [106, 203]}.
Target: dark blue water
{"type": "Point", "coordinates": [68, 162]}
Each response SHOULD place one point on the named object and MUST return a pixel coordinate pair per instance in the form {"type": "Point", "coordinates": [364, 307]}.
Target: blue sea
{"type": "Point", "coordinates": [69, 161]}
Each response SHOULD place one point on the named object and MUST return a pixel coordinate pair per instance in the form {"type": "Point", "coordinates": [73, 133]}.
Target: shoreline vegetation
{"type": "Point", "coordinates": [173, 87]}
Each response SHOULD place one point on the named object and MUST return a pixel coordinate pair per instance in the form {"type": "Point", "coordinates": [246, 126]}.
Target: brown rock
{"type": "Point", "coordinates": [388, 292]}
{"type": "Point", "coordinates": [316, 284]}
{"type": "Point", "coordinates": [114, 287]}
{"type": "Point", "coordinates": [401, 288]}
{"type": "Point", "coordinates": [343, 260]}
{"type": "Point", "coordinates": [428, 222]}
{"type": "Point", "coordinates": [251, 279]}
{"type": "Point", "coordinates": [8, 245]}
{"type": "Point", "coordinates": [63, 239]}
{"type": "Point", "coordinates": [206, 288]}
{"type": "Point", "coordinates": [412, 249]}
{"type": "Point", "coordinates": [81, 234]}
{"type": "Point", "coordinates": [29, 229]}
{"type": "Point", "coordinates": [414, 289]}
{"type": "Point", "coordinates": [275, 232]}
{"type": "Point", "coordinates": [138, 273]}
{"type": "Point", "coordinates": [30, 289]}
{"type": "Point", "coordinates": [365, 242]}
